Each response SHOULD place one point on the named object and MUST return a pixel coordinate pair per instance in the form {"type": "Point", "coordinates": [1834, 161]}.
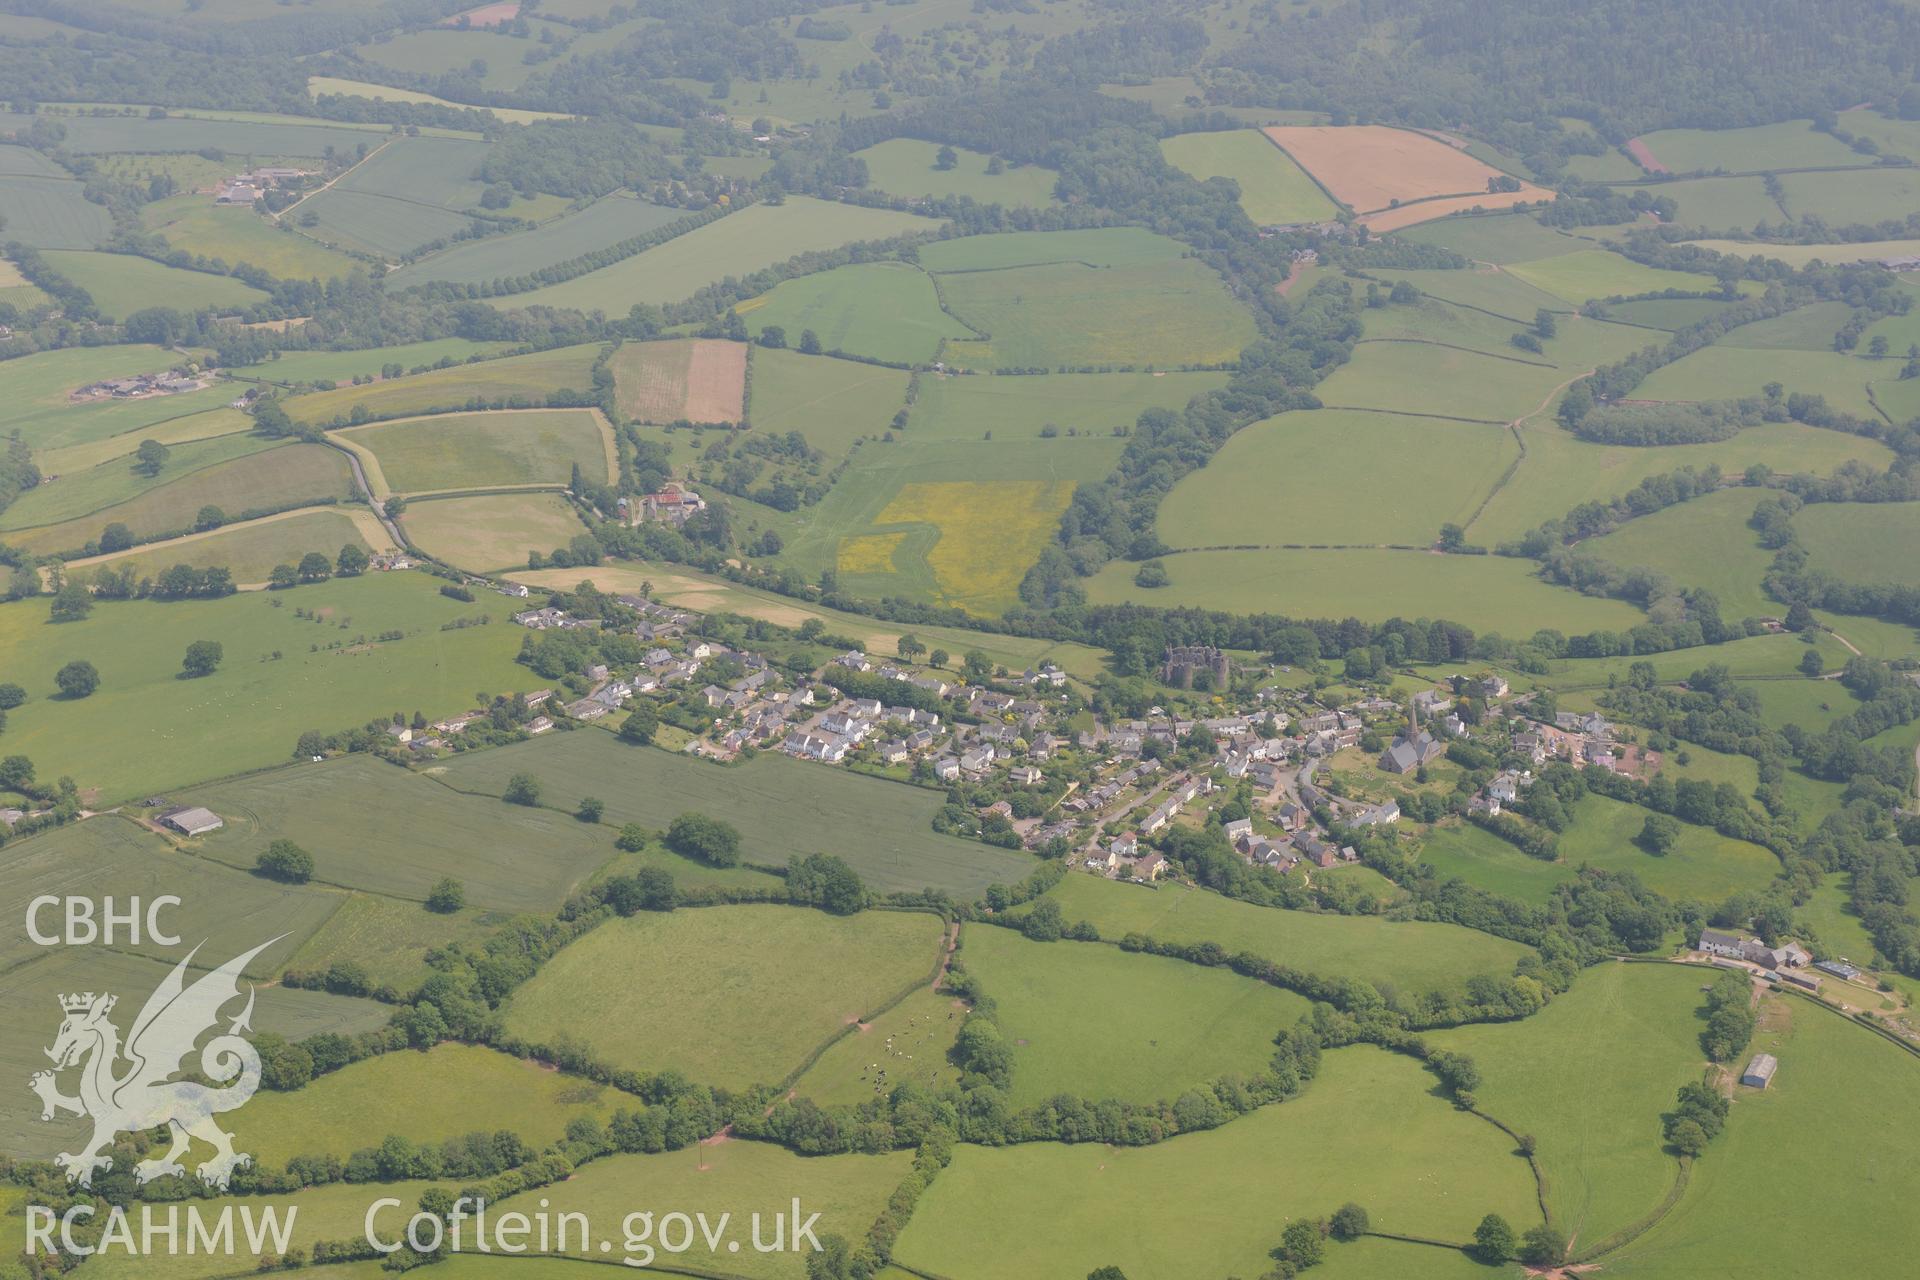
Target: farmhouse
{"type": "Point", "coordinates": [194, 821]}
{"type": "Point", "coordinates": [1759, 1072]}
{"type": "Point", "coordinates": [1716, 943]}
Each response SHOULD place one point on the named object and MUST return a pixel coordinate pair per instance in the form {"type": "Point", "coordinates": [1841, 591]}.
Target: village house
{"type": "Point", "coordinates": [1150, 868]}
{"type": "Point", "coordinates": [539, 724]}
{"type": "Point", "coordinates": [894, 751]}
{"type": "Point", "coordinates": [946, 768]}
{"type": "Point", "coordinates": [1025, 775]}
{"type": "Point", "coordinates": [1377, 815]}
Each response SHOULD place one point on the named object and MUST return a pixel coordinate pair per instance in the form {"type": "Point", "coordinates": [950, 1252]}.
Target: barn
{"type": "Point", "coordinates": [196, 821]}
{"type": "Point", "coordinates": [1760, 1071]}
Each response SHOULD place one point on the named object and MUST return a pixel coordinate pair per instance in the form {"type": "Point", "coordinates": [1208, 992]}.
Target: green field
{"type": "Point", "coordinates": [1799, 255]}
{"type": "Point", "coordinates": [1863, 542]}
{"type": "Point", "coordinates": [1441, 381]}
{"type": "Point", "coordinates": [320, 86]}
{"type": "Point", "coordinates": [1210, 1204]}
{"type": "Point", "coordinates": [51, 213]}
{"type": "Point", "coordinates": [1066, 315]}
{"type": "Point", "coordinates": [1721, 204]}
{"type": "Point", "coordinates": [1488, 288]}
{"type": "Point", "coordinates": [1432, 320]}
{"type": "Point", "coordinates": [439, 50]}
{"type": "Point", "coordinates": [1102, 247]}
{"type": "Point", "coordinates": [756, 237]}
{"type": "Point", "coordinates": [422, 171]}
{"type": "Point", "coordinates": [391, 938]}
{"type": "Point", "coordinates": [605, 222]}
{"type": "Point", "coordinates": [1829, 1105]}
{"type": "Point", "coordinates": [902, 521]}
{"type": "Point", "coordinates": [907, 1044]}
{"type": "Point", "coordinates": [1301, 469]}
{"type": "Point", "coordinates": [729, 1177]}
{"type": "Point", "coordinates": [1092, 404]}
{"type": "Point", "coordinates": [484, 450]}
{"type": "Point", "coordinates": [485, 533]}
{"type": "Point", "coordinates": [1580, 277]}
{"type": "Point", "coordinates": [1408, 956]}
{"type": "Point", "coordinates": [747, 991]}
{"type": "Point", "coordinates": [375, 827]}
{"type": "Point", "coordinates": [1723, 373]}
{"type": "Point", "coordinates": [782, 807]}
{"type": "Point", "coordinates": [230, 912]}
{"type": "Point", "coordinates": [529, 377]}
{"type": "Point", "coordinates": [1609, 166]}
{"type": "Point", "coordinates": [1702, 543]}
{"type": "Point", "coordinates": [1098, 1022]}
{"type": "Point", "coordinates": [29, 1001]}
{"type": "Point", "coordinates": [362, 222]}
{"type": "Point", "coordinates": [337, 1211]}
{"type": "Point", "coordinates": [75, 493]}
{"type": "Point", "coordinates": [344, 366]}
{"type": "Point", "coordinates": [129, 739]}
{"type": "Point", "coordinates": [426, 1097]}
{"type": "Point", "coordinates": [1791, 144]}
{"type": "Point", "coordinates": [1590, 1077]}
{"type": "Point", "coordinates": [122, 283]}
{"type": "Point", "coordinates": [240, 139]}
{"type": "Point", "coordinates": [833, 403]}
{"type": "Point", "coordinates": [1487, 593]}
{"type": "Point", "coordinates": [1868, 195]}
{"type": "Point", "coordinates": [250, 549]}
{"type": "Point", "coordinates": [1809, 328]}
{"type": "Point", "coordinates": [233, 234]}
{"type": "Point", "coordinates": [1273, 189]}
{"type": "Point", "coordinates": [292, 475]}
{"type": "Point", "coordinates": [883, 310]}
{"type": "Point", "coordinates": [1560, 471]}
{"type": "Point", "coordinates": [1704, 865]}
{"type": "Point", "coordinates": [1666, 313]}
{"type": "Point", "coordinates": [905, 167]}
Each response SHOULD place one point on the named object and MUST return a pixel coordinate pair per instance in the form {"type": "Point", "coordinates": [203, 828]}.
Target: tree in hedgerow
{"type": "Point", "coordinates": [809, 343]}
{"type": "Point", "coordinates": [522, 788]}
{"type": "Point", "coordinates": [285, 860]}
{"type": "Point", "coordinates": [1812, 664]}
{"type": "Point", "coordinates": [945, 159]}
{"type": "Point", "coordinates": [591, 807]}
{"type": "Point", "coordinates": [1349, 1222]}
{"type": "Point", "coordinates": [283, 575]}
{"type": "Point", "coordinates": [77, 679]}
{"type": "Point", "coordinates": [1493, 1240]}
{"type": "Point", "coordinates": [11, 696]}
{"type": "Point", "coordinates": [315, 567]}
{"type": "Point", "coordinates": [447, 896]}
{"type": "Point", "coordinates": [151, 456]}
{"type": "Point", "coordinates": [708, 839]}
{"type": "Point", "coordinates": [202, 657]}
{"type": "Point", "coordinates": [352, 561]}
{"type": "Point", "coordinates": [1542, 1246]}
{"type": "Point", "coordinates": [71, 603]}
{"type": "Point", "coordinates": [1106, 1273]}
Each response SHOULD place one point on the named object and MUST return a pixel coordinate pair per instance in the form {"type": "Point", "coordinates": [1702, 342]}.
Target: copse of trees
{"type": "Point", "coordinates": [705, 839]}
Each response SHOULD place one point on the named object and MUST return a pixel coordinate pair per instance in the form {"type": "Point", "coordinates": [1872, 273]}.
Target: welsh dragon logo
{"type": "Point", "coordinates": [127, 1087]}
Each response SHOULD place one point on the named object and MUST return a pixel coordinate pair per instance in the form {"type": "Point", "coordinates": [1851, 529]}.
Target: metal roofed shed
{"type": "Point", "coordinates": [196, 821]}
{"type": "Point", "coordinates": [1759, 1072]}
